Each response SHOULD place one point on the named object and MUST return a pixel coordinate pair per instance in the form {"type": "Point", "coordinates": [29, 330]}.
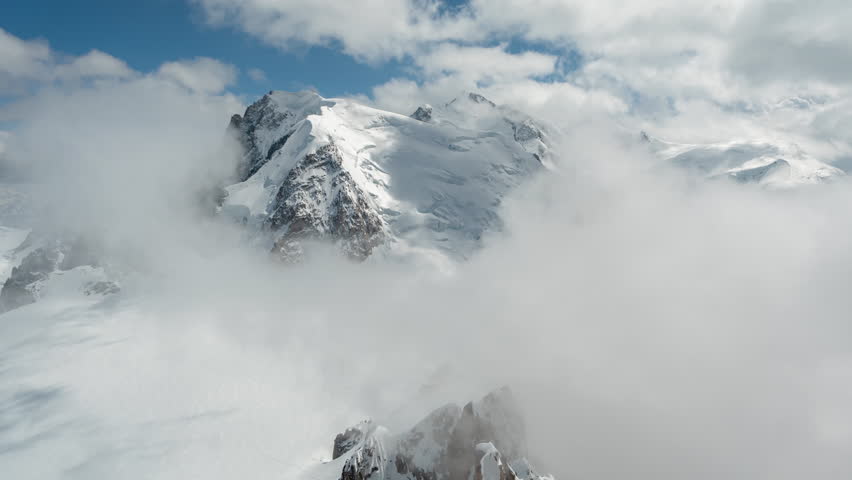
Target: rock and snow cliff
{"type": "Point", "coordinates": [425, 185]}
{"type": "Point", "coordinates": [484, 440]}
{"type": "Point", "coordinates": [35, 262]}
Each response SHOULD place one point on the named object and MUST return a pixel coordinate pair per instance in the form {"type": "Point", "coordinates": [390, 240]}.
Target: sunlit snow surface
{"type": "Point", "coordinates": [437, 184]}
{"type": "Point", "coordinates": [773, 165]}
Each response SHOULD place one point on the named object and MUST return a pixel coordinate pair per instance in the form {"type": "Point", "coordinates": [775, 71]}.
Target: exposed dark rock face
{"type": "Point", "coordinates": [347, 440]}
{"type": "Point", "coordinates": [498, 420]}
{"type": "Point", "coordinates": [259, 116]}
{"type": "Point", "coordinates": [480, 99]}
{"type": "Point", "coordinates": [423, 113]}
{"type": "Point", "coordinates": [525, 131]}
{"type": "Point", "coordinates": [434, 433]}
{"type": "Point", "coordinates": [530, 136]}
{"type": "Point", "coordinates": [101, 288]}
{"type": "Point", "coordinates": [494, 420]}
{"type": "Point", "coordinates": [53, 255]}
{"type": "Point", "coordinates": [21, 287]}
{"type": "Point", "coordinates": [484, 441]}
{"type": "Point", "coordinates": [492, 465]}
{"type": "Point", "coordinates": [276, 145]}
{"type": "Point", "coordinates": [319, 200]}
{"type": "Point", "coordinates": [367, 462]}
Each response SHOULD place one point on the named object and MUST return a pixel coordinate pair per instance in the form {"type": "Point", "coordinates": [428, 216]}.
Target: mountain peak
{"type": "Point", "coordinates": [428, 186]}
{"type": "Point", "coordinates": [471, 97]}
{"type": "Point", "coordinates": [423, 113]}
{"type": "Point", "coordinates": [480, 441]}
{"type": "Point", "coordinates": [477, 98]}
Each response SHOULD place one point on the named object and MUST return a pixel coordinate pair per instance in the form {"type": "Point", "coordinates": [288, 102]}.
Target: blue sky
{"type": "Point", "coordinates": [145, 34]}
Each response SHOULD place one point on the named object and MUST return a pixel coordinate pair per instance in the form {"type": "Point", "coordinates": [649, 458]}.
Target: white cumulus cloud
{"type": "Point", "coordinates": [25, 64]}
{"type": "Point", "coordinates": [202, 74]}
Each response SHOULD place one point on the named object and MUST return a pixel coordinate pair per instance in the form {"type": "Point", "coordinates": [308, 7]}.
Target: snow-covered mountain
{"type": "Point", "coordinates": [769, 164]}
{"type": "Point", "coordinates": [484, 440]}
{"type": "Point", "coordinates": [426, 185]}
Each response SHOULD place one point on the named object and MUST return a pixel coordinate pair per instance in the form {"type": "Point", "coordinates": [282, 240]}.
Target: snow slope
{"type": "Point", "coordinates": [768, 164]}
{"type": "Point", "coordinates": [426, 186]}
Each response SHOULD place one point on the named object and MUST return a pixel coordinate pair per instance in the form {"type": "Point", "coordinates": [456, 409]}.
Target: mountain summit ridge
{"type": "Point", "coordinates": [427, 185]}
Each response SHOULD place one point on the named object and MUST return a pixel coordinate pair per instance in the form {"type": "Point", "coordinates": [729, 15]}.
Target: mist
{"type": "Point", "coordinates": [651, 326]}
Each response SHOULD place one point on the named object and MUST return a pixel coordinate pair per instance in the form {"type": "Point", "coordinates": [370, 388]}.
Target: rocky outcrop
{"type": "Point", "coordinates": [492, 465]}
{"type": "Point", "coordinates": [22, 286]}
{"type": "Point", "coordinates": [44, 256]}
{"type": "Point", "coordinates": [423, 113]}
{"type": "Point", "coordinates": [484, 440]}
{"type": "Point", "coordinates": [319, 200]}
{"type": "Point", "coordinates": [264, 129]}
{"type": "Point", "coordinates": [530, 136]}
{"type": "Point", "coordinates": [526, 130]}
{"type": "Point", "coordinates": [368, 461]}
{"type": "Point", "coordinates": [477, 98]}
{"type": "Point", "coordinates": [347, 440]}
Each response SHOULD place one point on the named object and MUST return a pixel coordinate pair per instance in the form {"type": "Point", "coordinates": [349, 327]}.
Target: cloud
{"type": "Point", "coordinates": [651, 328]}
{"type": "Point", "coordinates": [32, 64]}
{"type": "Point", "coordinates": [658, 35]}
{"type": "Point", "coordinates": [4, 139]}
{"type": "Point", "coordinates": [21, 61]}
{"type": "Point", "coordinates": [93, 64]}
{"type": "Point", "coordinates": [122, 159]}
{"type": "Point", "coordinates": [21, 57]}
{"type": "Point", "coordinates": [479, 64]}
{"type": "Point", "coordinates": [785, 40]}
{"type": "Point", "coordinates": [25, 65]}
{"type": "Point", "coordinates": [449, 69]}
{"type": "Point", "coordinates": [560, 103]}
{"type": "Point", "coordinates": [205, 75]}
{"type": "Point", "coordinates": [384, 29]}
{"type": "Point", "coordinates": [668, 62]}
{"type": "Point", "coordinates": [256, 74]}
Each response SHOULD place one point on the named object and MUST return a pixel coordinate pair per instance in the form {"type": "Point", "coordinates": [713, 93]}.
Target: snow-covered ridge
{"type": "Point", "coordinates": [769, 164]}
{"type": "Point", "coordinates": [426, 185]}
